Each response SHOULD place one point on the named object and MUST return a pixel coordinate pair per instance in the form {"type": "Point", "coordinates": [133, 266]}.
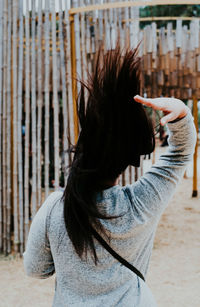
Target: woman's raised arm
{"type": "Point", "coordinates": [152, 192]}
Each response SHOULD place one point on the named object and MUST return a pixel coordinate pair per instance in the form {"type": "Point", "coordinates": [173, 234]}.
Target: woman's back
{"type": "Point", "coordinates": [140, 205]}
{"type": "Point", "coordinates": [109, 283]}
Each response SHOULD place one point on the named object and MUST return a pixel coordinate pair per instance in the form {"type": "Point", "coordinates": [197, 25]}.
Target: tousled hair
{"type": "Point", "coordinates": [115, 132]}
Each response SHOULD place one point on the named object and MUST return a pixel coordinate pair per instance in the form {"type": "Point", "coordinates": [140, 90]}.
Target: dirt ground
{"type": "Point", "coordinates": [174, 273]}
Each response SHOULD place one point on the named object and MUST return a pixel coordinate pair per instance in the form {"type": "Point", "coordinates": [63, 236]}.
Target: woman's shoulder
{"type": "Point", "coordinates": [54, 196]}
{"type": "Point", "coordinates": [51, 208]}
{"type": "Point", "coordinates": [49, 203]}
{"type": "Point", "coordinates": [53, 200]}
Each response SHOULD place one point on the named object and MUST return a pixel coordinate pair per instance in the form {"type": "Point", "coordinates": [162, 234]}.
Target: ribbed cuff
{"type": "Point", "coordinates": [180, 122]}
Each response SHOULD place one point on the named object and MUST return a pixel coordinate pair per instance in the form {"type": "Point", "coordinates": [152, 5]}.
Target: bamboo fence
{"type": "Point", "coordinates": [41, 51]}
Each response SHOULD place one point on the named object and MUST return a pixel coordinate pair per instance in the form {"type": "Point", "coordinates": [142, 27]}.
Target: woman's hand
{"type": "Point", "coordinates": [173, 108]}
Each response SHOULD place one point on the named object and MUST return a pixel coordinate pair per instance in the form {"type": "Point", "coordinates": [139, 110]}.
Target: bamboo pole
{"type": "Point", "coordinates": [33, 113]}
{"type": "Point", "coordinates": [39, 103]}
{"type": "Point", "coordinates": [132, 174]}
{"type": "Point", "coordinates": [46, 138]}
{"type": "Point", "coordinates": [92, 33]}
{"type": "Point", "coordinates": [107, 32]}
{"type": "Point", "coordinates": [195, 158]}
{"type": "Point", "coordinates": [1, 106]}
{"type": "Point", "coordinates": [82, 44]}
{"type": "Point", "coordinates": [126, 176]}
{"type": "Point", "coordinates": [27, 123]}
{"type": "Point", "coordinates": [71, 123]}
{"type": "Point", "coordinates": [15, 179]}
{"type": "Point", "coordinates": [55, 98]}
{"type": "Point", "coordinates": [154, 47]}
{"type": "Point", "coordinates": [141, 19]}
{"type": "Point", "coordinates": [113, 29]}
{"type": "Point", "coordinates": [8, 162]}
{"type": "Point", "coordinates": [73, 73]}
{"type": "Point", "coordinates": [19, 126]}
{"type": "Point", "coordinates": [128, 38]}
{"type": "Point", "coordinates": [5, 61]}
{"type": "Point", "coordinates": [64, 93]}
{"type": "Point", "coordinates": [11, 140]}
{"type": "Point", "coordinates": [100, 20]}
{"type": "Point", "coordinates": [127, 27]}
{"type": "Point", "coordinates": [88, 45]}
{"type": "Point", "coordinates": [77, 53]}
{"type": "Point", "coordinates": [161, 18]}
{"type": "Point", "coordinates": [171, 46]}
{"type": "Point", "coordinates": [121, 28]}
{"type": "Point", "coordinates": [133, 34]}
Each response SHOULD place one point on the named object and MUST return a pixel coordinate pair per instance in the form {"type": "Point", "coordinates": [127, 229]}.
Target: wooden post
{"type": "Point", "coordinates": [195, 114]}
{"type": "Point", "coordinates": [73, 68]}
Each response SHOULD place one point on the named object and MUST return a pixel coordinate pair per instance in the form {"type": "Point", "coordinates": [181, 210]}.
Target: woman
{"type": "Point", "coordinates": [115, 132]}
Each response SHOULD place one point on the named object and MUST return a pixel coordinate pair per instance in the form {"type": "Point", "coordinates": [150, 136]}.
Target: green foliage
{"type": "Point", "coordinates": [169, 10]}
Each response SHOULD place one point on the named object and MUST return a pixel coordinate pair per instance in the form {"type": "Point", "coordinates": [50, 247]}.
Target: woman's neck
{"type": "Point", "coordinates": [110, 183]}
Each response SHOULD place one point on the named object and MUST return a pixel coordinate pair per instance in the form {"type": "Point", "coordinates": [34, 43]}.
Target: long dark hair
{"type": "Point", "coordinates": [115, 131]}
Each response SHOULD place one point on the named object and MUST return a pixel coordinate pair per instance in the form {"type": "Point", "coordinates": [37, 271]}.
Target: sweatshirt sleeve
{"type": "Point", "coordinates": [150, 195]}
{"type": "Point", "coordinates": [37, 258]}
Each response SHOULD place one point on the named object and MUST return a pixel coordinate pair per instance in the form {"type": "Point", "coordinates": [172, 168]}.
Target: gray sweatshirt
{"type": "Point", "coordinates": [81, 283]}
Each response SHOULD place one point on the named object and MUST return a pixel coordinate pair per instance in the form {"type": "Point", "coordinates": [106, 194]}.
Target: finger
{"type": "Point", "coordinates": [141, 99]}
{"type": "Point", "coordinates": [169, 117]}
{"type": "Point", "coordinates": [154, 103]}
